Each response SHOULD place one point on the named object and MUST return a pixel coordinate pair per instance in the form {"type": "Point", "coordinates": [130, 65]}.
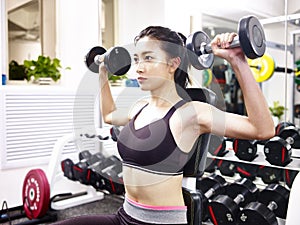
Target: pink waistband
{"type": "Point", "coordinates": [154, 207]}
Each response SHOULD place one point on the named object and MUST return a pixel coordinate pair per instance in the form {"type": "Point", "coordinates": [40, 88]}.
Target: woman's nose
{"type": "Point", "coordinates": [140, 67]}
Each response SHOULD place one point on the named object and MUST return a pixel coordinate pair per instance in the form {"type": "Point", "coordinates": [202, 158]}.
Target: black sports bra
{"type": "Point", "coordinates": [152, 148]}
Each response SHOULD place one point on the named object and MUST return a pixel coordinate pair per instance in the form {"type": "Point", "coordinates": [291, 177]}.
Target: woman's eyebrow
{"type": "Point", "coordinates": [144, 53]}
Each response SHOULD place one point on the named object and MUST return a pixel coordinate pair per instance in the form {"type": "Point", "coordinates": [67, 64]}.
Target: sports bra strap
{"type": "Point", "coordinates": [169, 113]}
{"type": "Point", "coordinates": [173, 109]}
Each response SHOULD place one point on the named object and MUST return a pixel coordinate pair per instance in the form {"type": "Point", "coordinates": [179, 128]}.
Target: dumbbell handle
{"type": "Point", "coordinates": [209, 193]}
{"type": "Point", "coordinates": [98, 59]}
{"type": "Point", "coordinates": [290, 140]}
{"type": "Point", "coordinates": [239, 198]}
{"type": "Point", "coordinates": [206, 48]}
{"type": "Point", "coordinates": [272, 205]}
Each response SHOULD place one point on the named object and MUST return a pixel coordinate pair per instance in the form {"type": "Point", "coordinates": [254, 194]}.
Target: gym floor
{"type": "Point", "coordinates": [108, 205]}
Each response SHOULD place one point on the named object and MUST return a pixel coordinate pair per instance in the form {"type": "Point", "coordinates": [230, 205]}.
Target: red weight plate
{"type": "Point", "coordinates": [36, 194]}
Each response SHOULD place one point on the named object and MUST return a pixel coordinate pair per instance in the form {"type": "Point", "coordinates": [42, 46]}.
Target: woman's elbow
{"type": "Point", "coordinates": [266, 133]}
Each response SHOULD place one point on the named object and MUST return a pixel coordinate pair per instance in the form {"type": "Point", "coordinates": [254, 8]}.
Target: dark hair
{"type": "Point", "coordinates": [173, 45]}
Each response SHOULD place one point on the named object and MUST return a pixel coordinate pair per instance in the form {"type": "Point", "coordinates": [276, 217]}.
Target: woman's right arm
{"type": "Point", "coordinates": [110, 113]}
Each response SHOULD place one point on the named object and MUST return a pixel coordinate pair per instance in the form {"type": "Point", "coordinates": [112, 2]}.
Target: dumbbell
{"type": "Point", "coordinates": [81, 169]}
{"type": "Point", "coordinates": [278, 150]}
{"type": "Point", "coordinates": [272, 202]}
{"type": "Point", "coordinates": [280, 126]}
{"type": "Point", "coordinates": [226, 167]}
{"type": "Point", "coordinates": [269, 174]}
{"type": "Point", "coordinates": [251, 39]}
{"type": "Point", "coordinates": [217, 145]}
{"type": "Point", "coordinates": [117, 60]}
{"type": "Point", "coordinates": [245, 149]}
{"type": "Point", "coordinates": [110, 171]}
{"type": "Point", "coordinates": [224, 209]}
{"type": "Point", "coordinates": [246, 170]}
{"type": "Point", "coordinates": [291, 135]}
{"type": "Point", "coordinates": [67, 168]}
{"type": "Point", "coordinates": [209, 186]}
{"type": "Point", "coordinates": [113, 179]}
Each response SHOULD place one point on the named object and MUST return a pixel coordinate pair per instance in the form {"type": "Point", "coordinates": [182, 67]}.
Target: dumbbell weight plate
{"type": "Point", "coordinates": [251, 37]}
{"type": "Point", "coordinates": [90, 58]}
{"type": "Point", "coordinates": [278, 151]}
{"type": "Point", "coordinates": [36, 194]}
{"type": "Point", "coordinates": [118, 61]}
{"type": "Point", "coordinates": [245, 149]}
{"type": "Point", "coordinates": [194, 43]}
{"type": "Point", "coordinates": [291, 131]}
{"type": "Point", "coordinates": [249, 215]}
{"type": "Point", "coordinates": [277, 193]}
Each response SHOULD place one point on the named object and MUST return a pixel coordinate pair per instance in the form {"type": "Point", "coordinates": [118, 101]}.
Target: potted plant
{"type": "Point", "coordinates": [116, 80]}
{"type": "Point", "coordinates": [277, 111]}
{"type": "Point", "coordinates": [43, 67]}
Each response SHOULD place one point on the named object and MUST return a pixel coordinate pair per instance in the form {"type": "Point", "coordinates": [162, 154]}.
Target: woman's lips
{"type": "Point", "coordinates": [141, 78]}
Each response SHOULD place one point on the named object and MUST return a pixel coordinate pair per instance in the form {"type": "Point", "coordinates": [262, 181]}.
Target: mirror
{"type": "Point", "coordinates": [24, 34]}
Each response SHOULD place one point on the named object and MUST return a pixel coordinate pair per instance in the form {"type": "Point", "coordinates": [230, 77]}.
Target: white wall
{"type": "Point", "coordinates": [78, 31]}
{"type": "Point", "coordinates": [135, 15]}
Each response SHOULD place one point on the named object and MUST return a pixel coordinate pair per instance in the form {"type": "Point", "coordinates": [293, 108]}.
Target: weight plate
{"type": "Point", "coordinates": [262, 68]}
{"type": "Point", "coordinates": [118, 61]}
{"type": "Point", "coordinates": [206, 77]}
{"type": "Point", "coordinates": [36, 194]}
{"type": "Point", "coordinates": [252, 37]}
{"type": "Point", "coordinates": [194, 44]}
{"type": "Point", "coordinates": [90, 58]}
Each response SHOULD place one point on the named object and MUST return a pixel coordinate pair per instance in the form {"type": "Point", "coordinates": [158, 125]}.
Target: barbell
{"type": "Point", "coordinates": [264, 67]}
{"type": "Point", "coordinates": [251, 39]}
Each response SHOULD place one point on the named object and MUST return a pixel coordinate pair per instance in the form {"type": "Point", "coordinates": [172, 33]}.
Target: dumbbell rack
{"type": "Point", "coordinates": [54, 174]}
{"type": "Point", "coordinates": [261, 161]}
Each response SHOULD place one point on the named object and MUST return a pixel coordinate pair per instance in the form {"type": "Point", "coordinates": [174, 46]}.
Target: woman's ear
{"type": "Point", "coordinates": [174, 64]}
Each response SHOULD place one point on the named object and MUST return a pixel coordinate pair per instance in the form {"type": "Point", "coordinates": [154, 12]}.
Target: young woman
{"type": "Point", "coordinates": [160, 131]}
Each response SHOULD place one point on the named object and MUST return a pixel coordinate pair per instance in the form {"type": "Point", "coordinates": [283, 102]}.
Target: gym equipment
{"type": "Point", "coordinates": [117, 60]}
{"type": "Point", "coordinates": [37, 185]}
{"type": "Point", "coordinates": [272, 202]}
{"type": "Point", "coordinates": [246, 170]}
{"type": "Point", "coordinates": [224, 209]}
{"type": "Point", "coordinates": [278, 150]}
{"type": "Point", "coordinates": [291, 135]}
{"type": "Point", "coordinates": [207, 76]}
{"type": "Point", "coordinates": [114, 132]}
{"type": "Point", "coordinates": [282, 125]}
{"type": "Point", "coordinates": [217, 145]}
{"type": "Point", "coordinates": [270, 175]}
{"type": "Point", "coordinates": [251, 39]}
{"type": "Point", "coordinates": [209, 187]}
{"type": "Point", "coordinates": [289, 176]}
{"type": "Point", "coordinates": [36, 194]}
{"type": "Point", "coordinates": [110, 171]}
{"type": "Point", "coordinates": [226, 167]}
{"type": "Point", "coordinates": [210, 166]}
{"type": "Point", "coordinates": [67, 168]}
{"type": "Point", "coordinates": [263, 68]}
{"type": "Point", "coordinates": [245, 149]}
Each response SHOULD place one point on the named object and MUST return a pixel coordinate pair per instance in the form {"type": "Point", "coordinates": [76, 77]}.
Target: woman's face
{"type": "Point", "coordinates": [151, 64]}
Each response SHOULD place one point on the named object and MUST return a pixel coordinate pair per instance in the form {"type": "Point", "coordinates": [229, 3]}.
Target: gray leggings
{"type": "Point", "coordinates": [121, 218]}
